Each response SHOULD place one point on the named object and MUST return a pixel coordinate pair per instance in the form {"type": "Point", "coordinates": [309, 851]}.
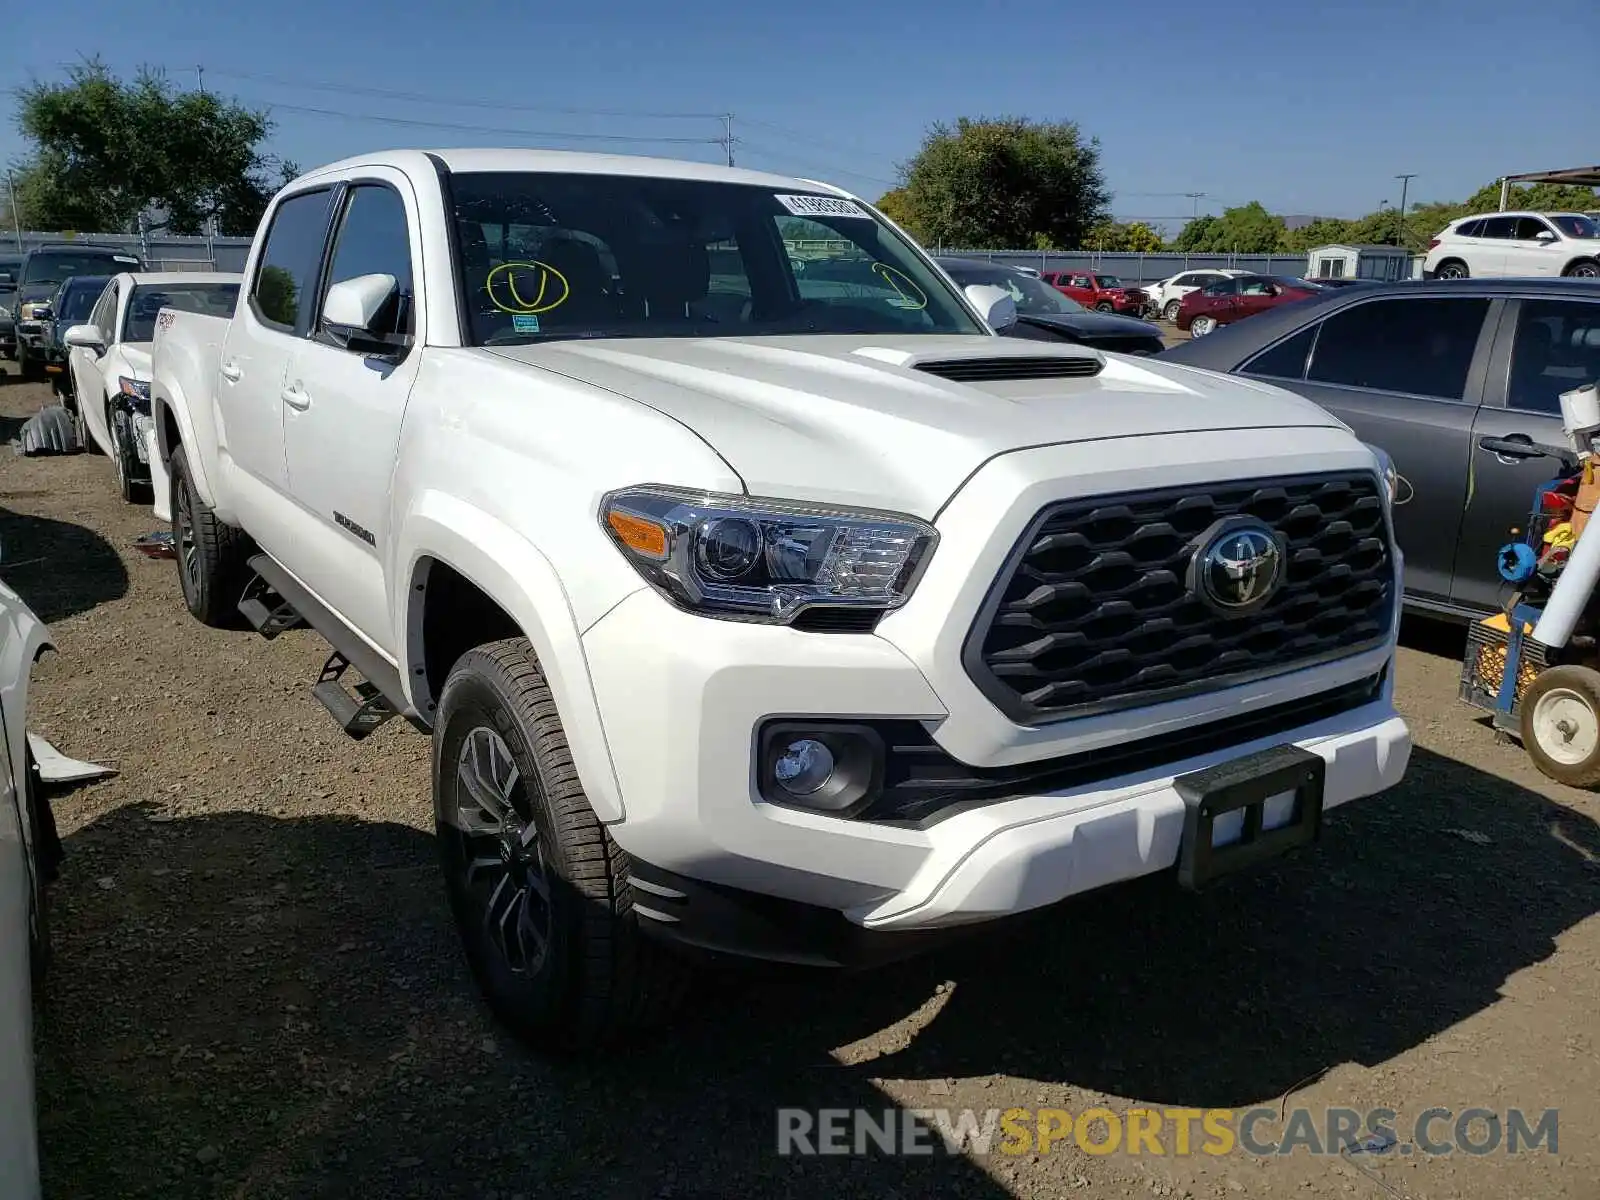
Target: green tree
{"type": "Point", "coordinates": [1130, 238]}
{"type": "Point", "coordinates": [1195, 236]}
{"type": "Point", "coordinates": [1321, 232]}
{"type": "Point", "coordinates": [1007, 181]}
{"type": "Point", "coordinates": [1247, 229]}
{"type": "Point", "coordinates": [104, 150]}
{"type": "Point", "coordinates": [896, 205]}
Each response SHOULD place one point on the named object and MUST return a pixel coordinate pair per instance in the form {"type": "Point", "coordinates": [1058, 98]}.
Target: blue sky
{"type": "Point", "coordinates": [1308, 107]}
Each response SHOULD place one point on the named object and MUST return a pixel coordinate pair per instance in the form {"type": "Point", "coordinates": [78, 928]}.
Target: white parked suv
{"type": "Point", "coordinates": [1167, 295]}
{"type": "Point", "coordinates": [109, 358]}
{"type": "Point", "coordinates": [755, 611]}
{"type": "Point", "coordinates": [1515, 244]}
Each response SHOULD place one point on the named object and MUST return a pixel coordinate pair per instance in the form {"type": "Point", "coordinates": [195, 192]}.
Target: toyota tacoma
{"type": "Point", "coordinates": [759, 609]}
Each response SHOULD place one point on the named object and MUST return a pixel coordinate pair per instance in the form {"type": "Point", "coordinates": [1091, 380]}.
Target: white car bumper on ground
{"type": "Point", "coordinates": [978, 816]}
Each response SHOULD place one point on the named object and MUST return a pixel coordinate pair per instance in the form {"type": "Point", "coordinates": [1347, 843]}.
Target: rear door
{"type": "Point", "coordinates": [1486, 253]}
{"type": "Point", "coordinates": [1406, 374]}
{"type": "Point", "coordinates": [265, 333]}
{"type": "Point", "coordinates": [1545, 347]}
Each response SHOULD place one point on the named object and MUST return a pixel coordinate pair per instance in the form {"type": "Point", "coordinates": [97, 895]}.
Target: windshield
{"type": "Point", "coordinates": [1575, 226]}
{"type": "Point", "coordinates": [215, 299]}
{"type": "Point", "coordinates": [54, 268]}
{"type": "Point", "coordinates": [77, 299]}
{"type": "Point", "coordinates": [550, 256]}
{"type": "Point", "coordinates": [1033, 297]}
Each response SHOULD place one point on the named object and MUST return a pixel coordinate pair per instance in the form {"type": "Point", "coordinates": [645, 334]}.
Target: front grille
{"type": "Point", "coordinates": [1092, 611]}
{"type": "Point", "coordinates": [988, 370]}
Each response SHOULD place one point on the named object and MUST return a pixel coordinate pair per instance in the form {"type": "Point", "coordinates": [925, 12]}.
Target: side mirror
{"type": "Point", "coordinates": [84, 337]}
{"type": "Point", "coordinates": [1544, 235]}
{"type": "Point", "coordinates": [354, 304]}
{"type": "Point", "coordinates": [359, 312]}
{"type": "Point", "coordinates": [996, 304]}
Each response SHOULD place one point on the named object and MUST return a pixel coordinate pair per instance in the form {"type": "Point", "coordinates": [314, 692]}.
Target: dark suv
{"type": "Point", "coordinates": [10, 268]}
{"type": "Point", "coordinates": [44, 269]}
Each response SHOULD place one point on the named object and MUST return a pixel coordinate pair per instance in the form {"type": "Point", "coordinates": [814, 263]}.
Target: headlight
{"type": "Point", "coordinates": [136, 390]}
{"type": "Point", "coordinates": [765, 560]}
{"type": "Point", "coordinates": [1391, 477]}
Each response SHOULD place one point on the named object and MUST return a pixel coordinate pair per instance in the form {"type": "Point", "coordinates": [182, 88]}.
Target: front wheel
{"type": "Point", "coordinates": [1171, 312]}
{"type": "Point", "coordinates": [1201, 326]}
{"type": "Point", "coordinates": [1104, 306]}
{"type": "Point", "coordinates": [540, 892]}
{"type": "Point", "coordinates": [1584, 268]}
{"type": "Point", "coordinates": [213, 557]}
{"type": "Point", "coordinates": [1560, 717]}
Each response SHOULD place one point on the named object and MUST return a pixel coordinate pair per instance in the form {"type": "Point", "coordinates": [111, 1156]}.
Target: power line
{"type": "Point", "coordinates": [825, 169]}
{"type": "Point", "coordinates": [823, 143]}
{"type": "Point", "coordinates": [411, 122]}
{"type": "Point", "coordinates": [462, 102]}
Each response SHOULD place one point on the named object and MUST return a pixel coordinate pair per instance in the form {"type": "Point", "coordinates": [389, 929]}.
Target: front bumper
{"type": "Point", "coordinates": [682, 699]}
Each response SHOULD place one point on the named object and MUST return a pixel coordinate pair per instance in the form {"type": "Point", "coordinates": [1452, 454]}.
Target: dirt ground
{"type": "Point", "coordinates": [257, 990]}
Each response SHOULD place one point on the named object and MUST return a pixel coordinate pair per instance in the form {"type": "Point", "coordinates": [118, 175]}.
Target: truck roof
{"type": "Point", "coordinates": [470, 160]}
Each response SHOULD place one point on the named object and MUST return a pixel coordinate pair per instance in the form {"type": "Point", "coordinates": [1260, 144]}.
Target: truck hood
{"type": "Point", "coordinates": [857, 420]}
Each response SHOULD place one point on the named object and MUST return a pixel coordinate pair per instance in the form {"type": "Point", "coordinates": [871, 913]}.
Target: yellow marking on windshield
{"type": "Point", "coordinates": [911, 296]}
{"type": "Point", "coordinates": [518, 305]}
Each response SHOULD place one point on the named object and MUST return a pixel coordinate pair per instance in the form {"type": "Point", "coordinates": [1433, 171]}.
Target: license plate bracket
{"type": "Point", "coordinates": [1248, 783]}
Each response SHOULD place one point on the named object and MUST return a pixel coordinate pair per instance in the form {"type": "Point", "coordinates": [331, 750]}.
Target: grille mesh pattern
{"type": "Point", "coordinates": [1094, 612]}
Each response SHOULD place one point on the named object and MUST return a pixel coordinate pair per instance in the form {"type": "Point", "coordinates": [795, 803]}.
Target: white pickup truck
{"type": "Point", "coordinates": [762, 605]}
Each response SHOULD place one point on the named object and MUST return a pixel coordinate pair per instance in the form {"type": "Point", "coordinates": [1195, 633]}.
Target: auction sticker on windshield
{"type": "Point", "coordinates": [823, 206]}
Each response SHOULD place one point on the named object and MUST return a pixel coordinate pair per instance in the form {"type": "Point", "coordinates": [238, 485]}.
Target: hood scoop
{"type": "Point", "coordinates": [1013, 367]}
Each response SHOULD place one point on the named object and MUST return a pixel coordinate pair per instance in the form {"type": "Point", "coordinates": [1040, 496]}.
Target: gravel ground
{"type": "Point", "coordinates": [257, 991]}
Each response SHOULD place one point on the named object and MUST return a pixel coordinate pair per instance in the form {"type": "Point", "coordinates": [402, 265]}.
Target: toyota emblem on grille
{"type": "Point", "coordinates": [1238, 567]}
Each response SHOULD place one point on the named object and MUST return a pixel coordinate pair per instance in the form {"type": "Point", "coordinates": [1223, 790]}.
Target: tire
{"type": "Point", "coordinates": [80, 429]}
{"type": "Point", "coordinates": [43, 868]}
{"type": "Point", "coordinates": [1584, 268]}
{"type": "Point", "coordinates": [125, 460]}
{"type": "Point", "coordinates": [1201, 326]}
{"type": "Point", "coordinates": [213, 557]}
{"type": "Point", "coordinates": [1560, 718]}
{"type": "Point", "coordinates": [1105, 306]}
{"type": "Point", "coordinates": [29, 368]}
{"type": "Point", "coordinates": [1452, 268]}
{"type": "Point", "coordinates": [581, 974]}
{"type": "Point", "coordinates": [1170, 312]}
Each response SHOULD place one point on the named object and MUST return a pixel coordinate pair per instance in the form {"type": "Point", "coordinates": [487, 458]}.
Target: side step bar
{"type": "Point", "coordinates": [269, 613]}
{"type": "Point", "coordinates": [374, 701]}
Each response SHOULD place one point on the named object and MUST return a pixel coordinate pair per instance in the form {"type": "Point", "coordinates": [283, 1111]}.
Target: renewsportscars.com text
{"type": "Point", "coordinates": [1175, 1132]}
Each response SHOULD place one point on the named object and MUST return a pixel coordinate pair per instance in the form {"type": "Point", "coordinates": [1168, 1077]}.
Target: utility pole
{"type": "Point", "coordinates": [200, 73]}
{"type": "Point", "coordinates": [1194, 203]}
{"type": "Point", "coordinates": [16, 210]}
{"type": "Point", "coordinates": [727, 137]}
{"type": "Point", "coordinates": [1405, 181]}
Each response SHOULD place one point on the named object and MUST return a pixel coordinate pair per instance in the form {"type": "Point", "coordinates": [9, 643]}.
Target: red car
{"type": "Point", "coordinates": [1229, 300]}
{"type": "Point", "coordinates": [1104, 293]}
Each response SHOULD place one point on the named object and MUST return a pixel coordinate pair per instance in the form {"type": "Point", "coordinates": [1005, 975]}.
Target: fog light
{"type": "Point", "coordinates": [803, 767]}
{"type": "Point", "coordinates": [826, 766]}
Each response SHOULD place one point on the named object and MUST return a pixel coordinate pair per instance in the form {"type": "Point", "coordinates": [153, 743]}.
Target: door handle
{"type": "Point", "coordinates": [1514, 445]}
{"type": "Point", "coordinates": [296, 399]}
{"type": "Point", "coordinates": [231, 371]}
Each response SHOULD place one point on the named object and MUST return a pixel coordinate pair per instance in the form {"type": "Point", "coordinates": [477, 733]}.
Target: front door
{"type": "Point", "coordinates": [1554, 346]}
{"type": "Point", "coordinates": [343, 411]}
{"type": "Point", "coordinates": [88, 367]}
{"type": "Point", "coordinates": [1526, 255]}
